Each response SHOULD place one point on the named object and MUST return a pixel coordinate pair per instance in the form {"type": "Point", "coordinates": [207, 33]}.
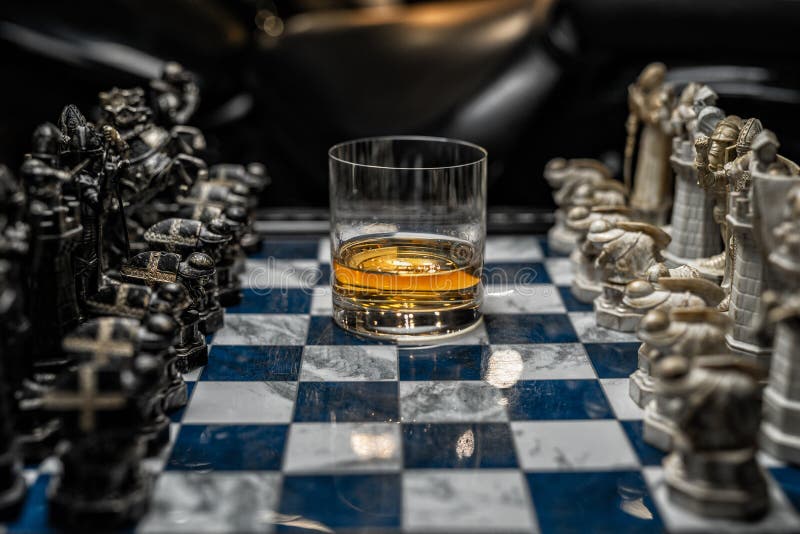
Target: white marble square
{"type": "Point", "coordinates": [213, 502]}
{"type": "Point", "coordinates": [241, 403]}
{"type": "Point", "coordinates": [263, 329]}
{"type": "Point", "coordinates": [487, 500]}
{"type": "Point", "coordinates": [271, 273]}
{"type": "Point", "coordinates": [348, 363]}
{"type": "Point", "coordinates": [780, 518]}
{"type": "Point", "coordinates": [502, 248]}
{"type": "Point", "coordinates": [618, 394]}
{"type": "Point", "coordinates": [522, 298]}
{"type": "Point", "coordinates": [343, 448]}
{"type": "Point", "coordinates": [561, 271]}
{"type": "Point", "coordinates": [321, 303]}
{"type": "Point", "coordinates": [572, 445]}
{"type": "Point", "coordinates": [451, 401]}
{"type": "Point", "coordinates": [586, 327]}
{"type": "Point", "coordinates": [557, 361]}
{"type": "Point", "coordinates": [324, 250]}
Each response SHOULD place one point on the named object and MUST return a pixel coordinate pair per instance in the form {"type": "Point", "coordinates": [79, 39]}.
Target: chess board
{"type": "Point", "coordinates": [522, 425]}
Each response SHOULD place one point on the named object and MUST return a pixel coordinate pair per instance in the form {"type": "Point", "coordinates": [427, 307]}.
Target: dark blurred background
{"type": "Point", "coordinates": [283, 80]}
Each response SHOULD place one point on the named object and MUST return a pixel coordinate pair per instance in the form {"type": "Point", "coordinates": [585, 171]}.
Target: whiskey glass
{"type": "Point", "coordinates": [408, 228]}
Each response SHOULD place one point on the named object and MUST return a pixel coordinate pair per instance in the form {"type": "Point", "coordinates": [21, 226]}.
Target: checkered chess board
{"type": "Point", "coordinates": [522, 425]}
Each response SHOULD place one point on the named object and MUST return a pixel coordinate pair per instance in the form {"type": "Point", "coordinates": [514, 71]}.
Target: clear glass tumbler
{"type": "Point", "coordinates": [408, 227]}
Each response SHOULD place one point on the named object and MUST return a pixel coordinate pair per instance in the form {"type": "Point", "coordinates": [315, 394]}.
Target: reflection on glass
{"type": "Point", "coordinates": [503, 368]}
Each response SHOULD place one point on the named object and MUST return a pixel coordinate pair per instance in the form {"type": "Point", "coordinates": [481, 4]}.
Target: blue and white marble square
{"type": "Point", "coordinates": [522, 298]}
{"type": "Point", "coordinates": [572, 304]}
{"type": "Point", "coordinates": [466, 501]}
{"type": "Point", "coordinates": [340, 503]}
{"type": "Point", "coordinates": [593, 501]}
{"type": "Point", "coordinates": [572, 445]}
{"type": "Point", "coordinates": [263, 329]}
{"type": "Point", "coordinates": [614, 360]}
{"type": "Point", "coordinates": [343, 448]}
{"type": "Point", "coordinates": [213, 502]}
{"type": "Point", "coordinates": [344, 363]}
{"type": "Point", "coordinates": [516, 273]}
{"type": "Point", "coordinates": [617, 392]}
{"type": "Point", "coordinates": [501, 248]}
{"type": "Point", "coordinates": [286, 300]}
{"type": "Point", "coordinates": [458, 446]}
{"type": "Point", "coordinates": [355, 402]}
{"type": "Point", "coordinates": [451, 401]}
{"type": "Point", "coordinates": [324, 331]}
{"type": "Point", "coordinates": [506, 364]}
{"type": "Point", "coordinates": [445, 362]}
{"type": "Point", "coordinates": [228, 448]}
{"type": "Point", "coordinates": [586, 327]}
{"type": "Point", "coordinates": [241, 402]}
{"type": "Point", "coordinates": [557, 399]}
{"type": "Point", "coordinates": [271, 273]}
{"type": "Point", "coordinates": [253, 362]}
{"type": "Point", "coordinates": [504, 329]}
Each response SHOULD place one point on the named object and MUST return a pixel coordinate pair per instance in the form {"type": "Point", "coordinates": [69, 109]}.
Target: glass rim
{"type": "Point", "coordinates": [484, 154]}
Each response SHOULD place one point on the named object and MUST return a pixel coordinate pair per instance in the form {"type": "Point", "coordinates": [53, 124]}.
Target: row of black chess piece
{"type": "Point", "coordinates": [119, 249]}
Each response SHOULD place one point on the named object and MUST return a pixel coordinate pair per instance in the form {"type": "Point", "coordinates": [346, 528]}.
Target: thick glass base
{"type": "Point", "coordinates": [406, 325]}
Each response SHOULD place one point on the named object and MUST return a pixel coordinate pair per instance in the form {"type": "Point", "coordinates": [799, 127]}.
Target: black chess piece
{"type": "Point", "coordinates": [197, 274]}
{"type": "Point", "coordinates": [108, 340]}
{"type": "Point", "coordinates": [174, 95]}
{"type": "Point", "coordinates": [191, 351]}
{"type": "Point", "coordinates": [102, 485]}
{"type": "Point", "coordinates": [13, 332]}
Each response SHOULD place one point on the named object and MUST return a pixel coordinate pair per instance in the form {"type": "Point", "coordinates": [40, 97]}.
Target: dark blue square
{"type": "Point", "coordinates": [557, 399]}
{"type": "Point", "coordinates": [177, 415]}
{"type": "Point", "coordinates": [610, 501]}
{"type": "Point", "coordinates": [443, 362]}
{"type": "Point", "coordinates": [254, 362]}
{"type": "Point", "coordinates": [341, 502]}
{"type": "Point", "coordinates": [347, 402]}
{"type": "Point", "coordinates": [295, 249]}
{"type": "Point", "coordinates": [613, 360]}
{"type": "Point", "coordinates": [325, 274]}
{"type": "Point", "coordinates": [322, 330]}
{"type": "Point", "coordinates": [509, 274]}
{"type": "Point", "coordinates": [571, 303]}
{"type": "Point", "coordinates": [272, 300]}
{"type": "Point", "coordinates": [33, 516]}
{"type": "Point", "coordinates": [228, 448]}
{"type": "Point", "coordinates": [648, 455]}
{"type": "Point", "coordinates": [457, 445]}
{"type": "Point", "coordinates": [788, 478]}
{"type": "Point", "coordinates": [529, 328]}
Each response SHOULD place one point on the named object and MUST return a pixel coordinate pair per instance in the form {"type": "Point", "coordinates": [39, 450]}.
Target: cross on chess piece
{"type": "Point", "coordinates": [115, 341]}
{"type": "Point", "coordinates": [102, 484]}
{"type": "Point", "coordinates": [712, 470]}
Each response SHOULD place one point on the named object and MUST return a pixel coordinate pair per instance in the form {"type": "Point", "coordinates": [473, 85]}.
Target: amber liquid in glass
{"type": "Point", "coordinates": [413, 282]}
